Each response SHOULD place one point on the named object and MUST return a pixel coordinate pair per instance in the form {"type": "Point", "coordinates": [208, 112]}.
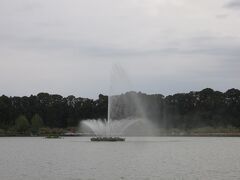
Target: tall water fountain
{"type": "Point", "coordinates": [126, 112]}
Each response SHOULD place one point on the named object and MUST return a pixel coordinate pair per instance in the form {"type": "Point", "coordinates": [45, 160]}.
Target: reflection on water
{"type": "Point", "coordinates": [137, 158]}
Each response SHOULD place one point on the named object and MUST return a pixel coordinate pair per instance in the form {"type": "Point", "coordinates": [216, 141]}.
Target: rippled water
{"type": "Point", "coordinates": [138, 158]}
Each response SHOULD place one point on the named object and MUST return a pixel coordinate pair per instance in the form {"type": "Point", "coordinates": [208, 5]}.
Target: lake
{"type": "Point", "coordinates": [140, 158]}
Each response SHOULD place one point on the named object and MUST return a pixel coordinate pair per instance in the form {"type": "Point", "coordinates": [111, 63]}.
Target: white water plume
{"type": "Point", "coordinates": [126, 112]}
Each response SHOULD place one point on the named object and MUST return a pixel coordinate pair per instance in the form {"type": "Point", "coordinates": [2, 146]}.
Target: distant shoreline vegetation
{"type": "Point", "coordinates": [205, 112]}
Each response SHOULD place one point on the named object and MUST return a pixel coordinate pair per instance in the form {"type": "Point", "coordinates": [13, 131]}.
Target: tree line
{"type": "Point", "coordinates": [183, 110]}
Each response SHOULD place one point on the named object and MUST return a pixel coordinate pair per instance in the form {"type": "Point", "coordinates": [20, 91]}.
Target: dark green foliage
{"type": "Point", "coordinates": [21, 124]}
{"type": "Point", "coordinates": [36, 123]}
{"type": "Point", "coordinates": [206, 108]}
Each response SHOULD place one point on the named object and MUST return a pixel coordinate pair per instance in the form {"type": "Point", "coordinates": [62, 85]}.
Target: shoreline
{"type": "Point", "coordinates": [162, 135]}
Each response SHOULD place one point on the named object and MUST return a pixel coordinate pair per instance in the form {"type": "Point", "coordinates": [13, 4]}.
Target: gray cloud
{"type": "Point", "coordinates": [69, 49]}
{"type": "Point", "coordinates": [218, 46]}
{"type": "Point", "coordinates": [234, 4]}
{"type": "Point", "coordinates": [222, 16]}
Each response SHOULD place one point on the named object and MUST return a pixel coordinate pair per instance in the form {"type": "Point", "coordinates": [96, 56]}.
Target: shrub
{"type": "Point", "coordinates": [22, 124]}
{"type": "Point", "coordinates": [36, 123]}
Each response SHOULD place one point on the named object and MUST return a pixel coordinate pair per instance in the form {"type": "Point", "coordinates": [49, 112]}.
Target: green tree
{"type": "Point", "coordinates": [22, 124]}
{"type": "Point", "coordinates": [36, 123]}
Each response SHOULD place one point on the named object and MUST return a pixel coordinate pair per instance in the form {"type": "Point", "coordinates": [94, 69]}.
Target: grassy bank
{"type": "Point", "coordinates": [204, 131]}
{"type": "Point", "coordinates": [41, 132]}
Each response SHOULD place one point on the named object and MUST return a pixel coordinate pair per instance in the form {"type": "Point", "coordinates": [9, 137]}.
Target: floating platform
{"type": "Point", "coordinates": [112, 139]}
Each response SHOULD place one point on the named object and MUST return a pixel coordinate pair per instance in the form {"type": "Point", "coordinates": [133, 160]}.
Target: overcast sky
{"type": "Point", "coordinates": [165, 46]}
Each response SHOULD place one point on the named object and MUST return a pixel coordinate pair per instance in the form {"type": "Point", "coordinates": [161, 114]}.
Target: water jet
{"type": "Point", "coordinates": [126, 112]}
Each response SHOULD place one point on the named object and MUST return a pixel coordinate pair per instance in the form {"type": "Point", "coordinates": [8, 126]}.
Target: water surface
{"type": "Point", "coordinates": [141, 158]}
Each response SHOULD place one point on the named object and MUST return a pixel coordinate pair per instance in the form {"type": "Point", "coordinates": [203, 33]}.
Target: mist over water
{"type": "Point", "coordinates": [127, 114]}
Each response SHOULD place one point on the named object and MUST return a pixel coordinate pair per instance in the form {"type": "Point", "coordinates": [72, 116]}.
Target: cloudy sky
{"type": "Point", "coordinates": [165, 46]}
